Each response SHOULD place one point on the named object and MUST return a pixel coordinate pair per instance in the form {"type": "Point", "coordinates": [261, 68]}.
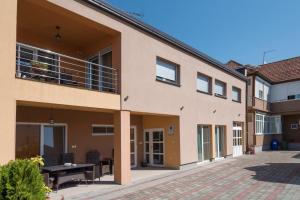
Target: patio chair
{"type": "Point", "coordinates": [48, 180]}
{"type": "Point", "coordinates": [50, 160]}
{"type": "Point", "coordinates": [93, 157]}
{"type": "Point", "coordinates": [67, 158]}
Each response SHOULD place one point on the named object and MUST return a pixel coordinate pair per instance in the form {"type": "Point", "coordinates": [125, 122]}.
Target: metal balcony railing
{"type": "Point", "coordinates": [43, 65]}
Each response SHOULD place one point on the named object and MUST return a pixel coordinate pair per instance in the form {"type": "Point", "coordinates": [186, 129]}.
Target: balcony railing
{"type": "Point", "coordinates": [43, 65]}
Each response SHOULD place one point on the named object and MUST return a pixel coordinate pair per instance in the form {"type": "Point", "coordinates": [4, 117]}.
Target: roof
{"type": "Point", "coordinates": [99, 4]}
{"type": "Point", "coordinates": [281, 71]}
{"type": "Point", "coordinates": [233, 64]}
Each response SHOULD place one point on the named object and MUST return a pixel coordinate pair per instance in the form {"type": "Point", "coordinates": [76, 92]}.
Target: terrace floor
{"type": "Point", "coordinates": [266, 175]}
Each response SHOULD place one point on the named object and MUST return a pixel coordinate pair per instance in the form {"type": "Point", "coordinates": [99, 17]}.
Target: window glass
{"type": "Point", "coordinates": [102, 130]}
{"type": "Point", "coordinates": [267, 124]}
{"type": "Point", "coordinates": [220, 88]}
{"type": "Point", "coordinates": [203, 83]}
{"type": "Point", "coordinates": [236, 94]}
{"type": "Point", "coordinates": [166, 71]}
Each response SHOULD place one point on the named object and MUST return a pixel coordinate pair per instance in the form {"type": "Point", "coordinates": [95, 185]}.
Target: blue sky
{"type": "Point", "coordinates": [226, 29]}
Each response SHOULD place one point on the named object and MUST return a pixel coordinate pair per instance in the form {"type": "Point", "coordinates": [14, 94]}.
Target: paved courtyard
{"type": "Point", "coordinates": [267, 175]}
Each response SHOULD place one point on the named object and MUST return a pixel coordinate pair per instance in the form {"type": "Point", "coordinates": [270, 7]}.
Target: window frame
{"type": "Point", "coordinates": [209, 83]}
{"type": "Point", "coordinates": [294, 128]}
{"type": "Point", "coordinates": [265, 126]}
{"type": "Point", "coordinates": [165, 80]}
{"type": "Point", "coordinates": [224, 96]}
{"type": "Point", "coordinates": [239, 100]}
{"type": "Point", "coordinates": [105, 126]}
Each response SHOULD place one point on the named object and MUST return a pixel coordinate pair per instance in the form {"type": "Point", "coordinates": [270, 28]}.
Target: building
{"type": "Point", "coordinates": [81, 75]}
{"type": "Point", "coordinates": [273, 106]}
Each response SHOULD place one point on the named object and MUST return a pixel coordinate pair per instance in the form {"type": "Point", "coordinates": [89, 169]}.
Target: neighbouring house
{"type": "Point", "coordinates": [80, 75]}
{"type": "Point", "coordinates": [273, 103]}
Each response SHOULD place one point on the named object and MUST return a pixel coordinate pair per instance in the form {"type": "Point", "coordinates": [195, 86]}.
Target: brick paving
{"type": "Point", "coordinates": [267, 175]}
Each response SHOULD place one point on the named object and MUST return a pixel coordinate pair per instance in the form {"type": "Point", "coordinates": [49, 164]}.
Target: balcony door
{"type": "Point", "coordinates": [100, 72]}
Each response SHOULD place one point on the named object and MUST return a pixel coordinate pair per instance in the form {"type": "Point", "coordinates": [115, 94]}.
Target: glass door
{"type": "Point", "coordinates": [133, 150]}
{"type": "Point", "coordinates": [106, 72]}
{"type": "Point", "coordinates": [53, 141]}
{"type": "Point", "coordinates": [220, 141]}
{"type": "Point", "coordinates": [154, 147]}
{"type": "Point", "coordinates": [204, 143]}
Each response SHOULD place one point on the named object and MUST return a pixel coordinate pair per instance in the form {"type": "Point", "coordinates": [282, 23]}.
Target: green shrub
{"type": "Point", "coordinates": [21, 180]}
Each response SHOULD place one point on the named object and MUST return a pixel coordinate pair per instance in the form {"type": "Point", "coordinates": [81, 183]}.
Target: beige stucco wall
{"type": "Point", "coordinates": [138, 58]}
{"type": "Point", "coordinates": [8, 15]}
{"type": "Point", "coordinates": [79, 128]}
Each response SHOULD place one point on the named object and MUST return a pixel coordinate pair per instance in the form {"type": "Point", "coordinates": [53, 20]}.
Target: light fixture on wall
{"type": "Point", "coordinates": [57, 35]}
{"type": "Point", "coordinates": [51, 119]}
{"type": "Point", "coordinates": [182, 107]}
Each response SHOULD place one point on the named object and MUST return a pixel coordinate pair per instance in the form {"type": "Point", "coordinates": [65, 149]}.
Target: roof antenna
{"type": "Point", "coordinates": [264, 55]}
{"type": "Point", "coordinates": [136, 14]}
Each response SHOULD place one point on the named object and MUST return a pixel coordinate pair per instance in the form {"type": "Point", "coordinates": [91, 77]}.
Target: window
{"type": "Point", "coordinates": [102, 130]}
{"type": "Point", "coordinates": [262, 89]}
{"type": "Point", "coordinates": [167, 71]}
{"type": "Point", "coordinates": [204, 83]}
{"type": "Point", "coordinates": [236, 94]}
{"type": "Point", "coordinates": [265, 124]}
{"type": "Point", "coordinates": [294, 126]}
{"type": "Point", "coordinates": [220, 88]}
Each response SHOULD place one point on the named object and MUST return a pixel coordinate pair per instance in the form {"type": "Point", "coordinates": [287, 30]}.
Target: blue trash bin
{"type": "Point", "coordinates": [274, 145]}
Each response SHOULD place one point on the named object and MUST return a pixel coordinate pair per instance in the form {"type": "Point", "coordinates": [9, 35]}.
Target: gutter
{"type": "Point", "coordinates": [99, 4]}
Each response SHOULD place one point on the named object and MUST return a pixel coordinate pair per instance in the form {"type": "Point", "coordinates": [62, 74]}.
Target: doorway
{"type": "Point", "coordinates": [204, 142]}
{"type": "Point", "coordinates": [154, 147]}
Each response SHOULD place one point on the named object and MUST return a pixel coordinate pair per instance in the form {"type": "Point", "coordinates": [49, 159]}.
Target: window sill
{"type": "Point", "coordinates": [268, 133]}
{"type": "Point", "coordinates": [236, 101]}
{"type": "Point", "coordinates": [208, 93]}
{"type": "Point", "coordinates": [167, 82]}
{"type": "Point", "coordinates": [220, 96]}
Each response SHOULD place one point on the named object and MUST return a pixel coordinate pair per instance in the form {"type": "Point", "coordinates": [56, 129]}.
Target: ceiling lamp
{"type": "Point", "coordinates": [57, 35]}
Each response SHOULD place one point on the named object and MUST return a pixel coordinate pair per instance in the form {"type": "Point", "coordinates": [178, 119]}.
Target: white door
{"type": "Point", "coordinates": [154, 147]}
{"type": "Point", "coordinates": [133, 147]}
{"type": "Point", "coordinates": [237, 140]}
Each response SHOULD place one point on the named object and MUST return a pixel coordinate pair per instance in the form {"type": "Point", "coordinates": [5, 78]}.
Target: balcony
{"type": "Point", "coordinates": [42, 65]}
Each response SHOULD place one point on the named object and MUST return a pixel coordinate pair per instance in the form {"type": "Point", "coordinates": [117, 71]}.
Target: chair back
{"type": "Point", "coordinates": [67, 158]}
{"type": "Point", "coordinates": [93, 157]}
{"type": "Point", "coordinates": [50, 160]}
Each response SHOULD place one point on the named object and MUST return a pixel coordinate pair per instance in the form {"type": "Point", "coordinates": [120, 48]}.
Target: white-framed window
{"type": "Point", "coordinates": [266, 124]}
{"type": "Point", "coordinates": [204, 83]}
{"type": "Point", "coordinates": [167, 71]}
{"type": "Point", "coordinates": [102, 130]}
{"type": "Point", "coordinates": [220, 88]}
{"type": "Point", "coordinates": [236, 94]}
{"type": "Point", "coordinates": [262, 89]}
{"type": "Point", "coordinates": [294, 126]}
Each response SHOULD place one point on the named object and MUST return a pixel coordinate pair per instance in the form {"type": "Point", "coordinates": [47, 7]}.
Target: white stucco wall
{"type": "Point", "coordinates": [281, 91]}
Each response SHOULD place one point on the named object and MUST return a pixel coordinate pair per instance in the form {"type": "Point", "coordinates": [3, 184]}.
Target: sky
{"type": "Point", "coordinates": [226, 29]}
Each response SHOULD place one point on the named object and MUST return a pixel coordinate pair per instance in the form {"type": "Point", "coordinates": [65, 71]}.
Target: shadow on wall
{"type": "Point", "coordinates": [287, 173]}
{"type": "Point", "coordinates": [297, 156]}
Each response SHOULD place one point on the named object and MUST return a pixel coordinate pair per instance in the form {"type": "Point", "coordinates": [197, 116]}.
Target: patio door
{"type": "Point", "coordinates": [53, 141]}
{"type": "Point", "coordinates": [133, 147]}
{"type": "Point", "coordinates": [220, 141]}
{"type": "Point", "coordinates": [237, 140]}
{"type": "Point", "coordinates": [33, 139]}
{"type": "Point", "coordinates": [154, 147]}
{"type": "Point", "coordinates": [204, 143]}
{"type": "Point", "coordinates": [100, 72]}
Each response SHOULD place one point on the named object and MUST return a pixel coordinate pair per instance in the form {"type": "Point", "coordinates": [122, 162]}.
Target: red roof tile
{"type": "Point", "coordinates": [281, 71]}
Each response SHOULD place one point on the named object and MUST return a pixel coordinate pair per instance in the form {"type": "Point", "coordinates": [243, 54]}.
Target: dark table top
{"type": "Point", "coordinates": [58, 168]}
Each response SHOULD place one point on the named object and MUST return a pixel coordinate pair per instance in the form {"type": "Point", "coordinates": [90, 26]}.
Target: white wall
{"type": "Point", "coordinates": [281, 91]}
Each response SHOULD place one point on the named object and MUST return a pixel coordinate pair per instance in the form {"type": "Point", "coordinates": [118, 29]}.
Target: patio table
{"type": "Point", "coordinates": [63, 173]}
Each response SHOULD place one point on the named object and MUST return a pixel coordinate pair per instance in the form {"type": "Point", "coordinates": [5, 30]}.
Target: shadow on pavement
{"type": "Point", "coordinates": [277, 172]}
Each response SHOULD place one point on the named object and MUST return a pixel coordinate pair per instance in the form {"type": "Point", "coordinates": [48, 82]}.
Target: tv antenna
{"type": "Point", "coordinates": [264, 55]}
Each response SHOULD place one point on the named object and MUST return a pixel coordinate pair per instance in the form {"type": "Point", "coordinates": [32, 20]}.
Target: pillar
{"type": "Point", "coordinates": [122, 169]}
{"type": "Point", "coordinates": [8, 23]}
{"type": "Point", "coordinates": [213, 142]}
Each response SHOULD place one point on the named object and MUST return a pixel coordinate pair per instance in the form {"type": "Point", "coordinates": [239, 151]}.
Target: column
{"type": "Point", "coordinates": [213, 142]}
{"type": "Point", "coordinates": [8, 22]}
{"type": "Point", "coordinates": [122, 171]}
